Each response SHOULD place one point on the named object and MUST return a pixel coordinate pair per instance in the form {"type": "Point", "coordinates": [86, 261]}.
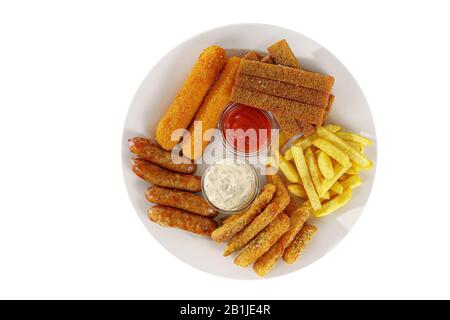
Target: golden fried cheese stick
{"type": "Point", "coordinates": [263, 241]}
{"type": "Point", "coordinates": [259, 223]}
{"type": "Point", "coordinates": [229, 229]}
{"type": "Point", "coordinates": [171, 217]}
{"type": "Point", "coordinates": [183, 108]}
{"type": "Point", "coordinates": [209, 113]}
{"type": "Point", "coordinates": [281, 53]}
{"type": "Point", "coordinates": [269, 259]}
{"type": "Point", "coordinates": [294, 250]}
{"type": "Point", "coordinates": [281, 197]}
{"type": "Point", "coordinates": [307, 79]}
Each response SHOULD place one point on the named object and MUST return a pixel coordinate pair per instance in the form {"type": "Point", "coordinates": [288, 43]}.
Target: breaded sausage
{"type": "Point", "coordinates": [294, 250]}
{"type": "Point", "coordinates": [145, 149]}
{"type": "Point", "coordinates": [180, 199]}
{"type": "Point", "coordinates": [269, 259]}
{"type": "Point", "coordinates": [165, 178]}
{"type": "Point", "coordinates": [183, 108]}
{"type": "Point", "coordinates": [263, 241]}
{"type": "Point", "coordinates": [229, 229]}
{"type": "Point", "coordinates": [171, 217]}
{"type": "Point", "coordinates": [259, 223]}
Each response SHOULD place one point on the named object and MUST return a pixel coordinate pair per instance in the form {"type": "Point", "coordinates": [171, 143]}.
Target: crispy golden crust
{"type": "Point", "coordinates": [291, 207]}
{"type": "Point", "coordinates": [251, 55]}
{"type": "Point", "coordinates": [281, 197]}
{"type": "Point", "coordinates": [180, 199]}
{"type": "Point", "coordinates": [229, 229]}
{"type": "Point", "coordinates": [307, 79]}
{"type": "Point", "coordinates": [258, 224]}
{"type": "Point", "coordinates": [263, 241]}
{"type": "Point", "coordinates": [209, 113]}
{"type": "Point", "coordinates": [165, 178]}
{"type": "Point", "coordinates": [145, 149]}
{"type": "Point", "coordinates": [281, 53]}
{"type": "Point", "coordinates": [280, 106]}
{"type": "Point", "coordinates": [283, 90]}
{"type": "Point", "coordinates": [176, 218]}
{"type": "Point", "coordinates": [269, 259]}
{"type": "Point", "coordinates": [183, 108]}
{"type": "Point", "coordinates": [294, 250]}
{"type": "Point", "coordinates": [267, 59]}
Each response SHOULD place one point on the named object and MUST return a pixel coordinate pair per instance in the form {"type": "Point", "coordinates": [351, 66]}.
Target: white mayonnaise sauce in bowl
{"type": "Point", "coordinates": [230, 185]}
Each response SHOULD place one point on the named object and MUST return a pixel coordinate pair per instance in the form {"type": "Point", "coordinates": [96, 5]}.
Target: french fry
{"type": "Point", "coordinates": [282, 138]}
{"type": "Point", "coordinates": [328, 183]}
{"type": "Point", "coordinates": [287, 168]}
{"type": "Point", "coordinates": [302, 168]}
{"type": "Point", "coordinates": [326, 196]}
{"type": "Point", "coordinates": [337, 187]}
{"type": "Point", "coordinates": [349, 136]}
{"type": "Point", "coordinates": [354, 169]}
{"type": "Point", "coordinates": [298, 190]}
{"type": "Point", "coordinates": [334, 204]}
{"type": "Point", "coordinates": [351, 182]}
{"type": "Point", "coordinates": [333, 151]}
{"type": "Point", "coordinates": [355, 145]}
{"type": "Point", "coordinates": [325, 165]}
{"type": "Point", "coordinates": [313, 168]}
{"type": "Point", "coordinates": [333, 127]}
{"type": "Point", "coordinates": [356, 156]}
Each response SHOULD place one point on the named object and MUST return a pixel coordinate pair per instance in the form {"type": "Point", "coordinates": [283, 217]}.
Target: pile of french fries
{"type": "Point", "coordinates": [324, 167]}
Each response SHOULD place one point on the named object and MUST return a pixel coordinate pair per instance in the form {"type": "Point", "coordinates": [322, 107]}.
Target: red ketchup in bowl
{"type": "Point", "coordinates": [239, 121]}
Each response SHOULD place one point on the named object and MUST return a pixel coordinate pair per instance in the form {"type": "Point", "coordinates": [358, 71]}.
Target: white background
{"type": "Point", "coordinates": [68, 71]}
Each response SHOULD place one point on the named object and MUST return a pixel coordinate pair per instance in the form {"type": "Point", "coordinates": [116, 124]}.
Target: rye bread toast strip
{"type": "Point", "coordinates": [307, 79]}
{"type": "Point", "coordinates": [282, 89]}
{"type": "Point", "coordinates": [267, 59]}
{"type": "Point", "coordinates": [281, 53]}
{"type": "Point", "coordinates": [251, 55]}
{"type": "Point", "coordinates": [281, 106]}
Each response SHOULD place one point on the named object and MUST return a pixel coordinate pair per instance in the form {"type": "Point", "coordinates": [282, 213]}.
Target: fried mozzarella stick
{"type": "Point", "coordinates": [303, 78]}
{"type": "Point", "coordinates": [283, 90]}
{"type": "Point", "coordinates": [229, 229]}
{"type": "Point", "coordinates": [176, 218]}
{"type": "Point", "coordinates": [259, 223]}
{"type": "Point", "coordinates": [165, 178]}
{"type": "Point", "coordinates": [263, 241]}
{"type": "Point", "coordinates": [180, 199]}
{"type": "Point", "coordinates": [269, 259]}
{"type": "Point", "coordinates": [209, 113]}
{"type": "Point", "coordinates": [281, 53]}
{"type": "Point", "coordinates": [147, 150]}
{"type": "Point", "coordinates": [281, 197]}
{"type": "Point", "coordinates": [185, 105]}
{"type": "Point", "coordinates": [294, 250]}
{"type": "Point", "coordinates": [289, 108]}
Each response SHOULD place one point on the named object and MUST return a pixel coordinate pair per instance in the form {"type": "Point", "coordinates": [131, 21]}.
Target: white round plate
{"type": "Point", "coordinates": [350, 110]}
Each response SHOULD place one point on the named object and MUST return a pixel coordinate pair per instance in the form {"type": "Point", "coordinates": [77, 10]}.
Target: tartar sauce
{"type": "Point", "coordinates": [229, 185]}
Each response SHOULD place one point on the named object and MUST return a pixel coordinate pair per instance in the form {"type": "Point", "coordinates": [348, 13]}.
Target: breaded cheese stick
{"type": "Point", "coordinates": [288, 108]}
{"type": "Point", "coordinates": [229, 229]}
{"type": "Point", "coordinates": [307, 79]}
{"type": "Point", "coordinates": [176, 218]}
{"type": "Point", "coordinates": [281, 197]}
{"type": "Point", "coordinates": [145, 149]}
{"type": "Point", "coordinates": [165, 178]}
{"type": "Point", "coordinates": [269, 259]}
{"type": "Point", "coordinates": [209, 113]}
{"type": "Point", "coordinates": [281, 53]}
{"type": "Point", "coordinates": [183, 108]}
{"type": "Point", "coordinates": [251, 55]}
{"type": "Point", "coordinates": [263, 241]}
{"type": "Point", "coordinates": [283, 90]}
{"type": "Point", "coordinates": [294, 250]}
{"type": "Point", "coordinates": [187, 201]}
{"type": "Point", "coordinates": [259, 223]}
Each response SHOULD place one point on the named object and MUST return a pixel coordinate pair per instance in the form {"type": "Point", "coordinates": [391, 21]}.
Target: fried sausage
{"type": "Point", "coordinates": [263, 241]}
{"type": "Point", "coordinates": [294, 250]}
{"type": "Point", "coordinates": [176, 218]}
{"type": "Point", "coordinates": [180, 199]}
{"type": "Point", "coordinates": [165, 178]}
{"type": "Point", "coordinates": [145, 149]}
{"type": "Point", "coordinates": [229, 229]}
